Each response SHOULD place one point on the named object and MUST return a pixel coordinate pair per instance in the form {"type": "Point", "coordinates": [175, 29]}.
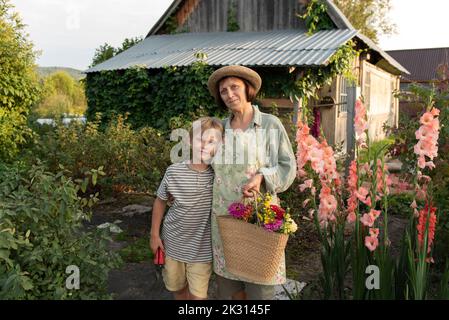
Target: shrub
{"type": "Point", "coordinates": [41, 234]}
{"type": "Point", "coordinates": [132, 159]}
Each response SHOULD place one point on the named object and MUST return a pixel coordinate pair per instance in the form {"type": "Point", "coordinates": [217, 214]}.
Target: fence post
{"type": "Point", "coordinates": [297, 108]}
{"type": "Point", "coordinates": [353, 95]}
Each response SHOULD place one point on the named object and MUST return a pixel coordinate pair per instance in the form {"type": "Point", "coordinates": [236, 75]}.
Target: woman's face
{"type": "Point", "coordinates": [233, 93]}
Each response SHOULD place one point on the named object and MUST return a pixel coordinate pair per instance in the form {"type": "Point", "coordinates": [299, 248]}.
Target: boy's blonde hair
{"type": "Point", "coordinates": [208, 123]}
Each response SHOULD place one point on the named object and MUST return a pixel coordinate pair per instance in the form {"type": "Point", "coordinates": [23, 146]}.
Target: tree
{"type": "Point", "coordinates": [128, 43]}
{"type": "Point", "coordinates": [102, 54]}
{"type": "Point", "coordinates": [368, 16]}
{"type": "Point", "coordinates": [18, 82]}
{"type": "Point", "coordinates": [107, 51]}
{"type": "Point", "coordinates": [61, 94]}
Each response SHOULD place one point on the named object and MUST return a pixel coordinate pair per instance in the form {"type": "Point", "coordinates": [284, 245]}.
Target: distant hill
{"type": "Point", "coordinates": [45, 71]}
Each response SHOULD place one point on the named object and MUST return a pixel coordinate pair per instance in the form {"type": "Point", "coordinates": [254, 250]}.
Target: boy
{"type": "Point", "coordinates": [186, 234]}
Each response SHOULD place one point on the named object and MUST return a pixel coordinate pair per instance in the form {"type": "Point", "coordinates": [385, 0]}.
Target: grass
{"type": "Point", "coordinates": [138, 249]}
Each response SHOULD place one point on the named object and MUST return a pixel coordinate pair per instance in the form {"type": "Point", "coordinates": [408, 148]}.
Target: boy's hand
{"type": "Point", "coordinates": [170, 200]}
{"type": "Point", "coordinates": [156, 242]}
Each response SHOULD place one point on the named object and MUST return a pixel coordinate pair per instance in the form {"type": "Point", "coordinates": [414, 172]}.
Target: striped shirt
{"type": "Point", "coordinates": [186, 228]}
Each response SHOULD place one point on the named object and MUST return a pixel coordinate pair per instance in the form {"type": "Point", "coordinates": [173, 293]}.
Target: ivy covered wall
{"type": "Point", "coordinates": [155, 98]}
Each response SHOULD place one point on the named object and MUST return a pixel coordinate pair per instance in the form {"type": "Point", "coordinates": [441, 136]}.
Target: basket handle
{"type": "Point", "coordinates": [255, 193]}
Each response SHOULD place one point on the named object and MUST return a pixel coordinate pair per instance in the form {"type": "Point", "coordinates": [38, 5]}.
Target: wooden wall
{"type": "Point", "coordinates": [251, 15]}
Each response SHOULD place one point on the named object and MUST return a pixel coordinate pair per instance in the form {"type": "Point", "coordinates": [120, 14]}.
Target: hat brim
{"type": "Point", "coordinates": [233, 71]}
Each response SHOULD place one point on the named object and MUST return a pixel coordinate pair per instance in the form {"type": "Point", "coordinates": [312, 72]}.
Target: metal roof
{"type": "Point", "coordinates": [273, 48]}
{"type": "Point", "coordinates": [422, 63]}
{"type": "Point", "coordinates": [396, 65]}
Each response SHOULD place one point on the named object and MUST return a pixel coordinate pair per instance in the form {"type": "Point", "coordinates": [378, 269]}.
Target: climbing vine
{"type": "Point", "coordinates": [316, 17]}
{"type": "Point", "coordinates": [232, 18]}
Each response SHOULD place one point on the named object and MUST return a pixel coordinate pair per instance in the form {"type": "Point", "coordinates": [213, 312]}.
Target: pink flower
{"type": "Point", "coordinates": [305, 203]}
{"type": "Point", "coordinates": [375, 213]}
{"type": "Point", "coordinates": [363, 195]}
{"type": "Point", "coordinates": [306, 185]}
{"type": "Point", "coordinates": [273, 226]}
{"type": "Point", "coordinates": [427, 135]}
{"type": "Point", "coordinates": [360, 123]}
{"type": "Point", "coordinates": [426, 118]}
{"type": "Point", "coordinates": [328, 203]}
{"type": "Point", "coordinates": [351, 217]}
{"type": "Point", "coordinates": [374, 232]}
{"type": "Point", "coordinates": [435, 112]}
{"type": "Point", "coordinates": [367, 220]}
{"type": "Point", "coordinates": [371, 243]}
{"type": "Point", "coordinates": [424, 132]}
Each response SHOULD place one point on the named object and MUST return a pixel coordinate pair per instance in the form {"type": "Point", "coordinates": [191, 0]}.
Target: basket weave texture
{"type": "Point", "coordinates": [251, 252]}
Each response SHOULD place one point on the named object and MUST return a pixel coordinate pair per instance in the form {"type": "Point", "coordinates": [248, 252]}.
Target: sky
{"type": "Point", "coordinates": [67, 32]}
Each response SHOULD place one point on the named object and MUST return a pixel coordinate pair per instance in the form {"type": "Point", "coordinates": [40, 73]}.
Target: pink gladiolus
{"type": "Point", "coordinates": [371, 243]}
{"type": "Point", "coordinates": [426, 118]}
{"type": "Point", "coordinates": [328, 204]}
{"type": "Point", "coordinates": [367, 220]}
{"type": "Point", "coordinates": [306, 185]}
{"type": "Point", "coordinates": [305, 203]}
{"type": "Point", "coordinates": [374, 232]}
{"type": "Point", "coordinates": [427, 135]}
{"type": "Point", "coordinates": [363, 195]}
{"type": "Point", "coordinates": [375, 213]}
{"type": "Point", "coordinates": [360, 123]}
{"type": "Point", "coordinates": [351, 217]}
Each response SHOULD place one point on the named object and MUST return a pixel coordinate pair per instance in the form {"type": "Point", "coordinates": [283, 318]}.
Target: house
{"type": "Point", "coordinates": [423, 64]}
{"type": "Point", "coordinates": [268, 35]}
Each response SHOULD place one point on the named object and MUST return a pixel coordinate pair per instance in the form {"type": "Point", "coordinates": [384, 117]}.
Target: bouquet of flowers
{"type": "Point", "coordinates": [269, 216]}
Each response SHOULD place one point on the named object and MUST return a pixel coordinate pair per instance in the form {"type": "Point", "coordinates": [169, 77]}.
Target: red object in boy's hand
{"type": "Point", "coordinates": [159, 258]}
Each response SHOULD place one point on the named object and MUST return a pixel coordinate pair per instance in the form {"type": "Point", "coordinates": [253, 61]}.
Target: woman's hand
{"type": "Point", "coordinates": [252, 185]}
{"type": "Point", "coordinates": [156, 242]}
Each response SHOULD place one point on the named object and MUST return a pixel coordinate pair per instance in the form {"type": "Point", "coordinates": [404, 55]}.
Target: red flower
{"type": "Point", "coordinates": [278, 210]}
{"type": "Point", "coordinates": [422, 220]}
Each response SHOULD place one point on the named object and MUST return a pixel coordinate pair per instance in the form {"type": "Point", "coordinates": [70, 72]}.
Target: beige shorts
{"type": "Point", "coordinates": [177, 275]}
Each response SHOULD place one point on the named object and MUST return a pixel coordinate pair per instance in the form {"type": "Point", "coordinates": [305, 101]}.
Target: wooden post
{"type": "Point", "coordinates": [297, 106]}
{"type": "Point", "coordinates": [353, 95]}
{"type": "Point", "coordinates": [297, 109]}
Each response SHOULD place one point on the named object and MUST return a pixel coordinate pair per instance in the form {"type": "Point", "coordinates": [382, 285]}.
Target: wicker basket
{"type": "Point", "coordinates": [251, 252]}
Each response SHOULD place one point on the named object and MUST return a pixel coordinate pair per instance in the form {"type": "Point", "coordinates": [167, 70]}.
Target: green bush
{"type": "Point", "coordinates": [131, 159]}
{"type": "Point", "coordinates": [42, 233]}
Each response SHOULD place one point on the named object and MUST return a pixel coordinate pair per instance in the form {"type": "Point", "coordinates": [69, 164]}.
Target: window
{"type": "Point", "coordinates": [343, 106]}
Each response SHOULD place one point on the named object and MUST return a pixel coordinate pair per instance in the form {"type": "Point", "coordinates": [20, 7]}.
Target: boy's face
{"type": "Point", "coordinates": [206, 146]}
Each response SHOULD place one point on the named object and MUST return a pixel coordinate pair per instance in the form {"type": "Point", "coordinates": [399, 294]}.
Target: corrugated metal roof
{"type": "Point", "coordinates": [422, 63]}
{"type": "Point", "coordinates": [274, 48]}
{"type": "Point", "coordinates": [396, 65]}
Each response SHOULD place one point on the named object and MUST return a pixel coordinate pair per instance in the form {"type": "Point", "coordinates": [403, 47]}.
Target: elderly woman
{"type": "Point", "coordinates": [235, 88]}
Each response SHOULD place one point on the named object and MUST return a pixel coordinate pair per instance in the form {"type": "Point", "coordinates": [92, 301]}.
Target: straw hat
{"type": "Point", "coordinates": [233, 71]}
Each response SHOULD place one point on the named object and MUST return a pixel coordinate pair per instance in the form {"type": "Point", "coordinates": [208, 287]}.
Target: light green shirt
{"type": "Point", "coordinates": [237, 164]}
